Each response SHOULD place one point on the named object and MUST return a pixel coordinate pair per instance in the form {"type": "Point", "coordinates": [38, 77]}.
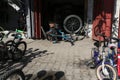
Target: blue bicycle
{"type": "Point", "coordinates": [62, 35]}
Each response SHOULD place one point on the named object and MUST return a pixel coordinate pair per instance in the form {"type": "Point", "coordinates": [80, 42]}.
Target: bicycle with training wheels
{"type": "Point", "coordinates": [104, 69]}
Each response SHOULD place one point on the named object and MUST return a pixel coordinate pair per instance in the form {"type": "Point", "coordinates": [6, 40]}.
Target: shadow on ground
{"type": "Point", "coordinates": [47, 75]}
{"type": "Point", "coordinates": [28, 57]}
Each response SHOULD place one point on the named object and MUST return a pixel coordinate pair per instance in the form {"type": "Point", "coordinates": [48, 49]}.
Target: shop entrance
{"type": "Point", "coordinates": [58, 10]}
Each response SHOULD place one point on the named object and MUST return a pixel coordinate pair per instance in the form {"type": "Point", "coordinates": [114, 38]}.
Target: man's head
{"type": "Point", "coordinates": [52, 24]}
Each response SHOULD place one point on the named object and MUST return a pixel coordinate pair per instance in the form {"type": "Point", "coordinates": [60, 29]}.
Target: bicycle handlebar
{"type": "Point", "coordinates": [106, 38]}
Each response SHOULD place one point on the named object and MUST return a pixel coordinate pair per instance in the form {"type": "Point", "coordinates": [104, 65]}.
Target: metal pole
{"type": "Point", "coordinates": [28, 19]}
{"type": "Point", "coordinates": [32, 17]}
{"type": "Point", "coordinates": [90, 16]}
{"type": "Point", "coordinates": [119, 26]}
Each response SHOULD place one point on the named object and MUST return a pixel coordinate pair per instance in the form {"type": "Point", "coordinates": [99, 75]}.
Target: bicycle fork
{"type": "Point", "coordinates": [104, 70]}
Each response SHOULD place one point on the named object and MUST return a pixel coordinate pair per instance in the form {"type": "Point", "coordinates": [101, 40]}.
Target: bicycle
{"type": "Point", "coordinates": [62, 35]}
{"type": "Point", "coordinates": [104, 70]}
{"type": "Point", "coordinates": [96, 56]}
{"type": "Point", "coordinates": [16, 47]}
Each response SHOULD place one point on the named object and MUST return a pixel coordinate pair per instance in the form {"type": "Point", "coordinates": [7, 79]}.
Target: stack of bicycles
{"type": "Point", "coordinates": [106, 58]}
{"type": "Point", "coordinates": [11, 50]}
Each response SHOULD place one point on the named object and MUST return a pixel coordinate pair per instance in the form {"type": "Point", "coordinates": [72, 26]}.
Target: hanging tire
{"type": "Point", "coordinates": [72, 23]}
{"type": "Point", "coordinates": [112, 73]}
{"type": "Point", "coordinates": [13, 75]}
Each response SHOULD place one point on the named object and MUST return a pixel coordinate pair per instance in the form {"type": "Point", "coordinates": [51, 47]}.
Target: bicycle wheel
{"type": "Point", "coordinates": [22, 45]}
{"type": "Point", "coordinates": [16, 74]}
{"type": "Point", "coordinates": [91, 63]}
{"type": "Point", "coordinates": [9, 43]}
{"type": "Point", "coordinates": [72, 23]}
{"type": "Point", "coordinates": [112, 74]}
{"type": "Point", "coordinates": [19, 49]}
{"type": "Point", "coordinates": [3, 50]}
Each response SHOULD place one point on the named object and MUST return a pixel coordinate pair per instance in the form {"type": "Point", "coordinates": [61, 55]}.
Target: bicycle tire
{"type": "Point", "coordinates": [3, 50]}
{"type": "Point", "coordinates": [15, 55]}
{"type": "Point", "coordinates": [19, 52]}
{"type": "Point", "coordinates": [76, 23]}
{"type": "Point", "coordinates": [25, 46]}
{"type": "Point", "coordinates": [9, 43]}
{"type": "Point", "coordinates": [13, 74]}
{"type": "Point", "coordinates": [111, 69]}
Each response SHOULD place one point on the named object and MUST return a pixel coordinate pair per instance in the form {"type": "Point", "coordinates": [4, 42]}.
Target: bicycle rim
{"type": "Point", "coordinates": [72, 23]}
{"type": "Point", "coordinates": [112, 73]}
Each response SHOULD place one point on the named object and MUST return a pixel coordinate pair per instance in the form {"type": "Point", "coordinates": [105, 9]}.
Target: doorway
{"type": "Point", "coordinates": [58, 10]}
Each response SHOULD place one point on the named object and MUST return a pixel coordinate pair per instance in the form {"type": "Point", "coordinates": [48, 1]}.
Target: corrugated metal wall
{"type": "Point", "coordinates": [102, 19]}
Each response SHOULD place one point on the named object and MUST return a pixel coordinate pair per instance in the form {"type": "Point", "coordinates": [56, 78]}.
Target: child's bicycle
{"type": "Point", "coordinates": [96, 57]}
{"type": "Point", "coordinates": [60, 34]}
{"type": "Point", "coordinates": [16, 47]}
{"type": "Point", "coordinates": [105, 70]}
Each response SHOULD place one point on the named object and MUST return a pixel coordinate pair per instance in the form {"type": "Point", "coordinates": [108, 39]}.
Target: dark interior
{"type": "Point", "coordinates": [3, 13]}
{"type": "Point", "coordinates": [58, 10]}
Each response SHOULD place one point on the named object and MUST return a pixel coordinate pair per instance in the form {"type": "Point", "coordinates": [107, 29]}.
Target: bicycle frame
{"type": "Point", "coordinates": [64, 36]}
{"type": "Point", "coordinates": [98, 58]}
